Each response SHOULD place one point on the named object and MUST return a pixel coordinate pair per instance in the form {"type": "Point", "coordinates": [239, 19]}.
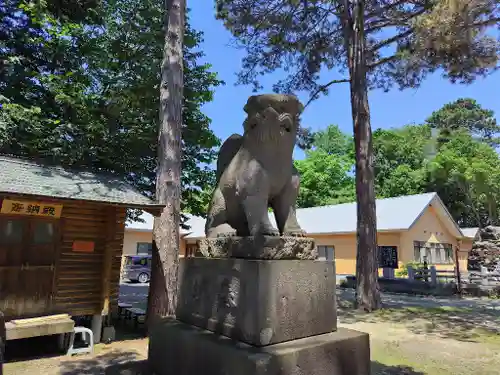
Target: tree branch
{"type": "Point", "coordinates": [322, 88]}
{"type": "Point", "coordinates": [381, 10]}
{"type": "Point", "coordinates": [382, 61]}
{"type": "Point", "coordinates": [488, 22]}
{"type": "Point", "coordinates": [393, 21]}
{"type": "Point", "coordinates": [394, 39]}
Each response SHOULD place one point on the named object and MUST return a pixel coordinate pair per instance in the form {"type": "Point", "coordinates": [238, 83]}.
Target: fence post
{"type": "Point", "coordinates": [433, 276]}
{"type": "Point", "coordinates": [411, 273]}
{"type": "Point", "coordinates": [484, 276]}
{"type": "Point", "coordinates": [388, 273]}
{"type": "Point", "coordinates": [2, 341]}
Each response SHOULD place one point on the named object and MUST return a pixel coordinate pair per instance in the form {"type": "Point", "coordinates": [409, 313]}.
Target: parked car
{"type": "Point", "coordinates": [138, 268]}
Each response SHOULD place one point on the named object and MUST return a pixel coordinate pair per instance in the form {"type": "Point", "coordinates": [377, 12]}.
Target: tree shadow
{"type": "Point", "coordinates": [378, 368]}
{"type": "Point", "coordinates": [458, 323]}
{"type": "Point", "coordinates": [129, 332]}
{"type": "Point", "coordinates": [112, 363]}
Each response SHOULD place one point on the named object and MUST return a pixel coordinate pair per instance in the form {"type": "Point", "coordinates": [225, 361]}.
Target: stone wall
{"type": "Point", "coordinates": [485, 250]}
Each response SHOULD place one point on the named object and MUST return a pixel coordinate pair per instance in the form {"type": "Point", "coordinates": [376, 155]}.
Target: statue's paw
{"type": "Point", "coordinates": [294, 233]}
{"type": "Point", "coordinates": [271, 232]}
{"type": "Point", "coordinates": [267, 232]}
{"type": "Point", "coordinates": [226, 234]}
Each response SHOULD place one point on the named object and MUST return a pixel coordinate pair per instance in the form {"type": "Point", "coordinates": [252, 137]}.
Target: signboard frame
{"type": "Point", "coordinates": [387, 257]}
{"type": "Point", "coordinates": [31, 208]}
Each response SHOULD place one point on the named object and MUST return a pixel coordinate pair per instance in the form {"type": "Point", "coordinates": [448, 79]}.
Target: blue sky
{"type": "Point", "coordinates": [392, 109]}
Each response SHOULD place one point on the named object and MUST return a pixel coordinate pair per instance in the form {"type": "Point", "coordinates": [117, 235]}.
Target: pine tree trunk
{"type": "Point", "coordinates": [367, 288]}
{"type": "Point", "coordinates": [163, 286]}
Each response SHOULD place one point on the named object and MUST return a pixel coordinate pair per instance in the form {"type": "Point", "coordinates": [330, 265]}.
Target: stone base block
{"type": "Point", "coordinates": [179, 349]}
{"type": "Point", "coordinates": [260, 302]}
{"type": "Point", "coordinates": [262, 247]}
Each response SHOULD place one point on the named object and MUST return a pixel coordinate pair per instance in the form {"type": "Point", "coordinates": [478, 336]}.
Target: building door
{"type": "Point", "coordinates": [191, 250]}
{"type": "Point", "coordinates": [28, 248]}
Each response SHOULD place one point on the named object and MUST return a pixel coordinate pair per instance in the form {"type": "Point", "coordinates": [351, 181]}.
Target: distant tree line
{"type": "Point", "coordinates": [454, 153]}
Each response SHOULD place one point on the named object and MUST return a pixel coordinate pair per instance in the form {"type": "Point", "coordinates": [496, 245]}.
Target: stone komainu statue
{"type": "Point", "coordinates": [255, 171]}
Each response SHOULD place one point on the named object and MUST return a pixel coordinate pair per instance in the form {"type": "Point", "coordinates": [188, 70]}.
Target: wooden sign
{"type": "Point", "coordinates": [31, 208]}
{"type": "Point", "coordinates": [83, 246]}
{"type": "Point", "coordinates": [388, 257]}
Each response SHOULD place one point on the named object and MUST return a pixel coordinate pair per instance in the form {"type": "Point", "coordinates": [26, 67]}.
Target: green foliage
{"type": "Point", "coordinates": [324, 180]}
{"type": "Point", "coordinates": [465, 115]}
{"type": "Point", "coordinates": [325, 173]}
{"type": "Point", "coordinates": [469, 170]}
{"type": "Point", "coordinates": [403, 271]}
{"type": "Point", "coordinates": [405, 40]}
{"type": "Point", "coordinates": [400, 156]}
{"type": "Point", "coordinates": [80, 86]}
{"type": "Point", "coordinates": [334, 142]}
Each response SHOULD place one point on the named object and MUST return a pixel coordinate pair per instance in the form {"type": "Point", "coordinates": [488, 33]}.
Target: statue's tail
{"type": "Point", "coordinates": [227, 152]}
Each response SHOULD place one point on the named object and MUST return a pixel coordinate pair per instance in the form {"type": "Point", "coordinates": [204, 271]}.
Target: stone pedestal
{"type": "Point", "coordinates": [254, 309]}
{"type": "Point", "coordinates": [259, 302]}
{"type": "Point", "coordinates": [176, 348]}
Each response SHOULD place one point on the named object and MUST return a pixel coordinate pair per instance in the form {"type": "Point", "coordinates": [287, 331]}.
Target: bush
{"type": "Point", "coordinates": [403, 272]}
{"type": "Point", "coordinates": [494, 293]}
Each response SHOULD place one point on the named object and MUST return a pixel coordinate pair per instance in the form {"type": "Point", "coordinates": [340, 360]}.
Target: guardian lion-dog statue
{"type": "Point", "coordinates": [255, 171]}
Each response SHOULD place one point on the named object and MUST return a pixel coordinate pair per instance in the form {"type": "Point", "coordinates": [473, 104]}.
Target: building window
{"type": "Point", "coordinates": [11, 232]}
{"type": "Point", "coordinates": [43, 232]}
{"type": "Point", "coordinates": [144, 248]}
{"type": "Point", "coordinates": [326, 253]}
{"type": "Point", "coordinates": [433, 253]}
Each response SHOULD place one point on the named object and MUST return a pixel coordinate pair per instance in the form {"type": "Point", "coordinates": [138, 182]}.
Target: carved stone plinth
{"type": "Point", "coordinates": [257, 307]}
{"type": "Point", "coordinates": [259, 302]}
{"type": "Point", "coordinates": [263, 247]}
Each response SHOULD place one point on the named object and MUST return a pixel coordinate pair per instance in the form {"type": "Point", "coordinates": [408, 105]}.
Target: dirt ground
{"type": "Point", "coordinates": [404, 341]}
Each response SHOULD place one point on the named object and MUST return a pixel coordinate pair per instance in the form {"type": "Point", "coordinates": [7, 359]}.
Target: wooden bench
{"type": "Point", "coordinates": [40, 326]}
{"type": "Point", "coordinates": [121, 307]}
{"type": "Point", "coordinates": [134, 313]}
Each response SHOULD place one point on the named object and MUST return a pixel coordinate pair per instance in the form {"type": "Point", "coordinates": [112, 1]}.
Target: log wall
{"type": "Point", "coordinates": [86, 283]}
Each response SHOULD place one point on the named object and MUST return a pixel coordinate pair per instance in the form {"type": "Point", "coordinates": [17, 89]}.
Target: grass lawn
{"type": "Point", "coordinates": [430, 341]}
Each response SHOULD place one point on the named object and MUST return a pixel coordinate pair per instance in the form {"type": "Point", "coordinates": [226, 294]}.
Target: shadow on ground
{"type": "Point", "coordinates": [112, 363]}
{"type": "Point", "coordinates": [127, 364]}
{"type": "Point", "coordinates": [381, 369]}
{"type": "Point", "coordinates": [463, 324]}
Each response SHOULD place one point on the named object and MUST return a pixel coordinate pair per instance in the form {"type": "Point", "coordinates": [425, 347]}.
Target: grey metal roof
{"type": "Point", "coordinates": [397, 213]}
{"type": "Point", "coordinates": [470, 232]}
{"type": "Point", "coordinates": [393, 214]}
{"type": "Point", "coordinates": [21, 176]}
{"type": "Point", "coordinates": [147, 225]}
{"type": "Point", "coordinates": [196, 225]}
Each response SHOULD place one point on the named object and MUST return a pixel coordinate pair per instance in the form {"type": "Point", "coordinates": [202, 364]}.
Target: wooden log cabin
{"type": "Point", "coordinates": [61, 239]}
